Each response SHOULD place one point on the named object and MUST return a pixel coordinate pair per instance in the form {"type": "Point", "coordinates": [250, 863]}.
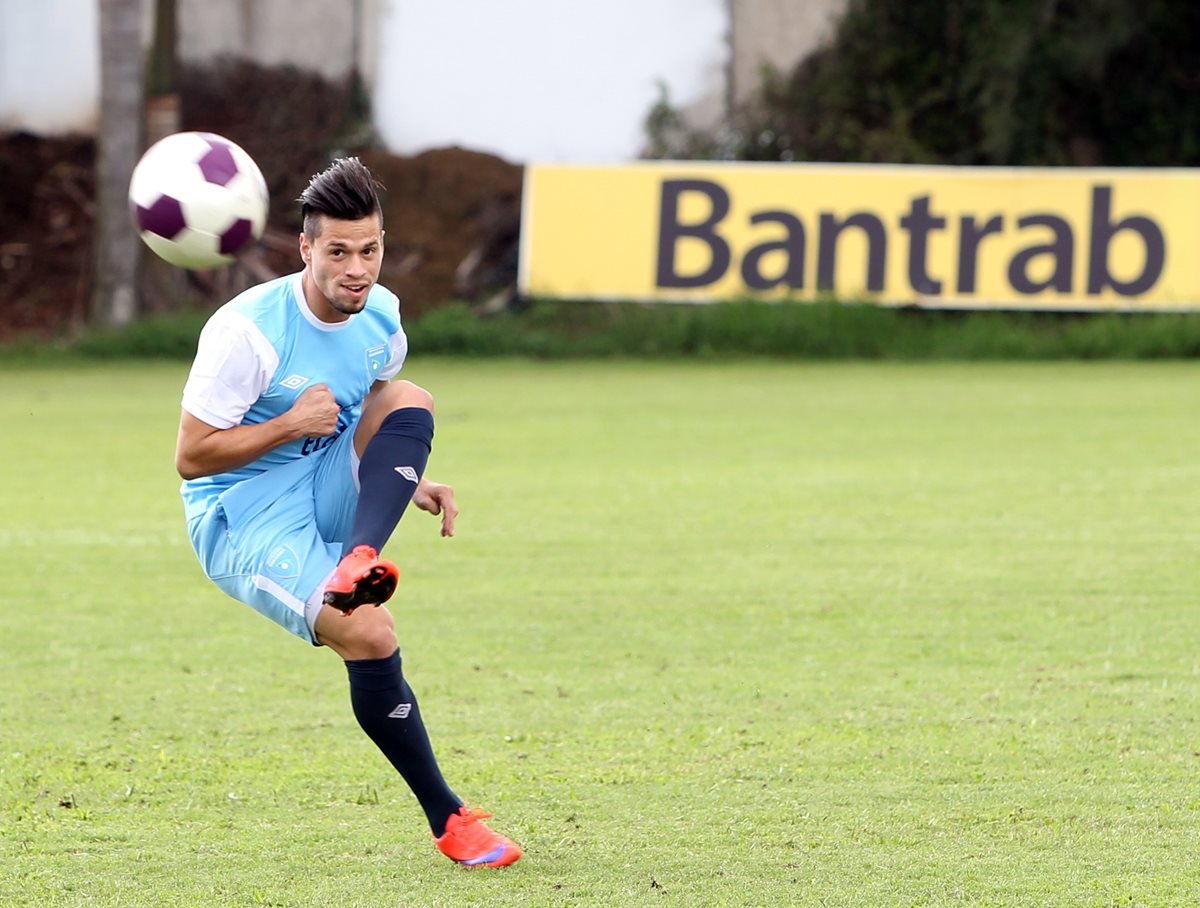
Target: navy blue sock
{"type": "Point", "coordinates": [391, 467]}
{"type": "Point", "coordinates": [387, 711]}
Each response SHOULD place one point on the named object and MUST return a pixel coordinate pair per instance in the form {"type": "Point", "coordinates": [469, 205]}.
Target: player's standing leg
{"type": "Point", "coordinates": [387, 710]}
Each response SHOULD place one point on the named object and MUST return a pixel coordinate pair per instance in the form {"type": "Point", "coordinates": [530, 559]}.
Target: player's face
{"type": "Point", "coordinates": [343, 262]}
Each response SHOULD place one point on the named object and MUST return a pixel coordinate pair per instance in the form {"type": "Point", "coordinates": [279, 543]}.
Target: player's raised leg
{"type": "Point", "coordinates": [392, 440]}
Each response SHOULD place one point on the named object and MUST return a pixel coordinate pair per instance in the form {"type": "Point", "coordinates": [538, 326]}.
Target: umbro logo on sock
{"type": "Point", "coordinates": [401, 711]}
{"type": "Point", "coordinates": [408, 473]}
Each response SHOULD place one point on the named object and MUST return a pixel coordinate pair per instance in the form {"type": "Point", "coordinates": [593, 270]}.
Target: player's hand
{"type": "Point", "coordinates": [437, 498]}
{"type": "Point", "coordinates": [315, 413]}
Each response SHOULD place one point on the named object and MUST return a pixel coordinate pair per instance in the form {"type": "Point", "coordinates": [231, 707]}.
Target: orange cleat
{"type": "Point", "coordinates": [469, 841]}
{"type": "Point", "coordinates": [361, 578]}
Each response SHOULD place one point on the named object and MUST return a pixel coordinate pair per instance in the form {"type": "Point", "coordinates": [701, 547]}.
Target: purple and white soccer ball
{"type": "Point", "coordinates": [197, 199]}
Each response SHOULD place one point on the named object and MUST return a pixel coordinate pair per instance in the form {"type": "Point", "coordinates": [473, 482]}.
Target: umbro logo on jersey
{"type": "Point", "coordinates": [408, 473]}
{"type": "Point", "coordinates": [401, 711]}
{"type": "Point", "coordinates": [294, 381]}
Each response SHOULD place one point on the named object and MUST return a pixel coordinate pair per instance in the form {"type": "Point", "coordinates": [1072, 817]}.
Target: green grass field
{"type": "Point", "coordinates": [741, 634]}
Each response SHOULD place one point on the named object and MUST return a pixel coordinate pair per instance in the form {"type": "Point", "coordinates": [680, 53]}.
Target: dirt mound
{"type": "Point", "coordinates": [452, 218]}
{"type": "Point", "coordinates": [46, 215]}
{"type": "Point", "coordinates": [452, 215]}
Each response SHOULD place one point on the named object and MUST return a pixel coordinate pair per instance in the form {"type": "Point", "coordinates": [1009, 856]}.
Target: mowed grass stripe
{"type": "Point", "coordinates": [721, 634]}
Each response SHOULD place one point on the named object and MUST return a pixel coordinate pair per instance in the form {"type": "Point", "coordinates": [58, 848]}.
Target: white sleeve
{"type": "Point", "coordinates": [233, 367]}
{"type": "Point", "coordinates": [398, 347]}
{"type": "Point", "coordinates": [399, 350]}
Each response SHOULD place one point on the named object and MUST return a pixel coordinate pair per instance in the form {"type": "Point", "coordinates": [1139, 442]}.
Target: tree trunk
{"type": "Point", "coordinates": [117, 252]}
{"type": "Point", "coordinates": [162, 101]}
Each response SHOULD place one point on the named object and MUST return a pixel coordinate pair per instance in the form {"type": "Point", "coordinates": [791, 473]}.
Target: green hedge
{"type": "Point", "coordinates": [826, 330]}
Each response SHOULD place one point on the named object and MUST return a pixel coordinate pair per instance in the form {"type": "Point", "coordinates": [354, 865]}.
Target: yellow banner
{"type": "Point", "coordinates": [947, 237]}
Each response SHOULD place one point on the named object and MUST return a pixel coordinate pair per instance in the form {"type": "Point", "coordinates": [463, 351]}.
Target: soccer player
{"type": "Point", "coordinates": [299, 456]}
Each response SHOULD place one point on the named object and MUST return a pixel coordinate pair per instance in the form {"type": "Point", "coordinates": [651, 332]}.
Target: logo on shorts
{"type": "Point", "coordinates": [401, 711]}
{"type": "Point", "coordinates": [283, 563]}
{"type": "Point", "coordinates": [294, 381]}
{"type": "Point", "coordinates": [408, 473]}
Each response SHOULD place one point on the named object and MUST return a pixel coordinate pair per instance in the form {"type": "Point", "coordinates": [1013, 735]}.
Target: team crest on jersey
{"type": "Point", "coordinates": [376, 357]}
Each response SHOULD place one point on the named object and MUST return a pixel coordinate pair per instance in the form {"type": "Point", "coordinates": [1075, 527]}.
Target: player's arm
{"type": "Point", "coordinates": [233, 367]}
{"type": "Point", "coordinates": [202, 449]}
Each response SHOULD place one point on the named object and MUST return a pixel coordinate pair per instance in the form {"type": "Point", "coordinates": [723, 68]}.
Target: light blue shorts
{"type": "Point", "coordinates": [273, 540]}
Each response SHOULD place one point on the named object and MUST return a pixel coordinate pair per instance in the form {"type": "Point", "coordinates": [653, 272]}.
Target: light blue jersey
{"type": "Point", "coordinates": [270, 533]}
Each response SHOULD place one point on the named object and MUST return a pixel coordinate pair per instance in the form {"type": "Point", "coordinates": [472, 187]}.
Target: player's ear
{"type": "Point", "coordinates": [305, 249]}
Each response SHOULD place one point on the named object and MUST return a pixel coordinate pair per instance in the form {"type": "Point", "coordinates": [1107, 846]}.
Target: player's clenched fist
{"type": "Point", "coordinates": [315, 412]}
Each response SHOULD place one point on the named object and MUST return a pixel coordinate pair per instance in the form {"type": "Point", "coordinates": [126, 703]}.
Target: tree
{"type": "Point", "coordinates": [117, 251]}
{"type": "Point", "coordinates": [984, 82]}
{"type": "Point", "coordinates": [162, 96]}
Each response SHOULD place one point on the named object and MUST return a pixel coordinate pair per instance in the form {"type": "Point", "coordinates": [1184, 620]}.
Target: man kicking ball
{"type": "Point", "coordinates": [299, 456]}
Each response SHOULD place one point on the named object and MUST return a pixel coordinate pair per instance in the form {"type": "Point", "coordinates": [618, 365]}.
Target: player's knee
{"type": "Point", "coordinates": [398, 395]}
{"type": "Point", "coordinates": [368, 633]}
{"type": "Point", "coordinates": [375, 633]}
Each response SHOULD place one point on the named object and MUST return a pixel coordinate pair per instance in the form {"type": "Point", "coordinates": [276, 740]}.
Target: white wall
{"type": "Point", "coordinates": [778, 33]}
{"type": "Point", "coordinates": [545, 80]}
{"type": "Point", "coordinates": [317, 36]}
{"type": "Point", "coordinates": [49, 66]}
{"type": "Point", "coordinates": [50, 49]}
{"type": "Point", "coordinates": [548, 80]}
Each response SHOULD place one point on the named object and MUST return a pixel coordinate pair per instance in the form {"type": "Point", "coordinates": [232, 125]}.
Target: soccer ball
{"type": "Point", "coordinates": [197, 199]}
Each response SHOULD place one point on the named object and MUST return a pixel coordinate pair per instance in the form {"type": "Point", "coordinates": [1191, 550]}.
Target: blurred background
{"type": "Point", "coordinates": [448, 101]}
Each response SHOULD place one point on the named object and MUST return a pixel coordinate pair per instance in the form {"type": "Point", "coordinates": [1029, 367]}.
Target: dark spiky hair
{"type": "Point", "coordinates": [345, 190]}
